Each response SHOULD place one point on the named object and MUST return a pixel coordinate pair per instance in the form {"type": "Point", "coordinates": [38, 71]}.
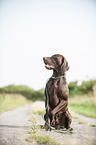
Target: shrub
{"type": "Point", "coordinates": [73, 88]}
{"type": "Point", "coordinates": [24, 90]}
{"type": "Point", "coordinates": [85, 88]}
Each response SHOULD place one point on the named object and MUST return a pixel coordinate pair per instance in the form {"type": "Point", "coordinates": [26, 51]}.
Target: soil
{"type": "Point", "coordinates": [15, 127]}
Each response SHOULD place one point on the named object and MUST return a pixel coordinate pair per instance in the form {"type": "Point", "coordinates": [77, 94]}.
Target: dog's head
{"type": "Point", "coordinates": [57, 63]}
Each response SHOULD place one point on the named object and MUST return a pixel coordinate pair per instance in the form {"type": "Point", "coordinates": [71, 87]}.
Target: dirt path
{"type": "Point", "coordinates": [14, 126]}
{"type": "Point", "coordinates": [90, 121]}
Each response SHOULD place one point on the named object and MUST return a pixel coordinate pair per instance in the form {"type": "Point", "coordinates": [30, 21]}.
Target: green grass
{"type": "Point", "coordinates": [39, 112]}
{"type": "Point", "coordinates": [44, 139]}
{"type": "Point", "coordinates": [92, 125]}
{"type": "Point", "coordinates": [12, 101]}
{"type": "Point", "coordinates": [84, 105]}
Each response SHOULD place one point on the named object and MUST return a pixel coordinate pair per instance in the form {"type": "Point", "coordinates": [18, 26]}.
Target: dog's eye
{"type": "Point", "coordinates": [53, 61]}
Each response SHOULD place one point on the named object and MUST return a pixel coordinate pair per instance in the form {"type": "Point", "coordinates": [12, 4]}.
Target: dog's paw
{"type": "Point", "coordinates": [70, 129]}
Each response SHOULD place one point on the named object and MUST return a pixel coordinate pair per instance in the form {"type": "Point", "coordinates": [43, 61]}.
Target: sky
{"type": "Point", "coordinates": [33, 29]}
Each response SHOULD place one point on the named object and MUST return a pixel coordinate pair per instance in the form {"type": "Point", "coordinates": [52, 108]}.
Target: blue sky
{"type": "Point", "coordinates": [31, 30]}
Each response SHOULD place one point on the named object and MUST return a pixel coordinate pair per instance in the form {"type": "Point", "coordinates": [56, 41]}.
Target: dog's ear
{"type": "Point", "coordinates": [62, 61]}
{"type": "Point", "coordinates": [64, 65]}
{"type": "Point", "coordinates": [67, 67]}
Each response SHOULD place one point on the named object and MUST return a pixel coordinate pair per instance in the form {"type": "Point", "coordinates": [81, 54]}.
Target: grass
{"type": "Point", "coordinates": [92, 125]}
{"type": "Point", "coordinates": [84, 105]}
{"type": "Point", "coordinates": [12, 101]}
{"type": "Point", "coordinates": [35, 134]}
{"type": "Point", "coordinates": [81, 121]}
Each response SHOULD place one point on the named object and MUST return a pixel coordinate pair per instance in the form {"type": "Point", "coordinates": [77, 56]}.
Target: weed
{"type": "Point", "coordinates": [36, 135]}
{"type": "Point", "coordinates": [92, 125]}
{"type": "Point", "coordinates": [81, 121]}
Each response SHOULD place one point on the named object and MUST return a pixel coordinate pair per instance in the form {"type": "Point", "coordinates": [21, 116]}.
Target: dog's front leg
{"type": "Point", "coordinates": [53, 120]}
{"type": "Point", "coordinates": [47, 118]}
{"type": "Point", "coordinates": [62, 106]}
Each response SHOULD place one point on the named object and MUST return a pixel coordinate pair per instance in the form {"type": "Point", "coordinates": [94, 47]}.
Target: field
{"type": "Point", "coordinates": [85, 105]}
{"type": "Point", "coordinates": [12, 101]}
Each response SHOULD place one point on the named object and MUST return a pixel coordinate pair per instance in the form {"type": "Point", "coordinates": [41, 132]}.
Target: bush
{"type": "Point", "coordinates": [73, 88]}
{"type": "Point", "coordinates": [38, 95]}
{"type": "Point", "coordinates": [85, 88]}
{"type": "Point", "coordinates": [24, 90]}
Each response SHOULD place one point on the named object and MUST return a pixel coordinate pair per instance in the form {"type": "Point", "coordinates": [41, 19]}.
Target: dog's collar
{"type": "Point", "coordinates": [58, 77]}
{"type": "Point", "coordinates": [55, 78]}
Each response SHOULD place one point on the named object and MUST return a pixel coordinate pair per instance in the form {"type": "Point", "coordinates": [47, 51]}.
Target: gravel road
{"type": "Point", "coordinates": [14, 126]}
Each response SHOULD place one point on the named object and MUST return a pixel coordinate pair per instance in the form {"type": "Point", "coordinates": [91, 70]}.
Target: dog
{"type": "Point", "coordinates": [56, 94]}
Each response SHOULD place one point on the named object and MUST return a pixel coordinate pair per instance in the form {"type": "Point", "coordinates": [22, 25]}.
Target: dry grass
{"type": "Point", "coordinates": [12, 101]}
{"type": "Point", "coordinates": [35, 134]}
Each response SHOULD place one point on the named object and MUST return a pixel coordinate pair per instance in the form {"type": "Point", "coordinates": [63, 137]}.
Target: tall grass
{"type": "Point", "coordinates": [85, 105]}
{"type": "Point", "coordinates": [11, 101]}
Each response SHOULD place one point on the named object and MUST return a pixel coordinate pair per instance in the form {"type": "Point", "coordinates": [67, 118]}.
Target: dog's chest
{"type": "Point", "coordinates": [52, 88]}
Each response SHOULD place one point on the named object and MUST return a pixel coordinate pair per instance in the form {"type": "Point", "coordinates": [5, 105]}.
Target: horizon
{"type": "Point", "coordinates": [79, 83]}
